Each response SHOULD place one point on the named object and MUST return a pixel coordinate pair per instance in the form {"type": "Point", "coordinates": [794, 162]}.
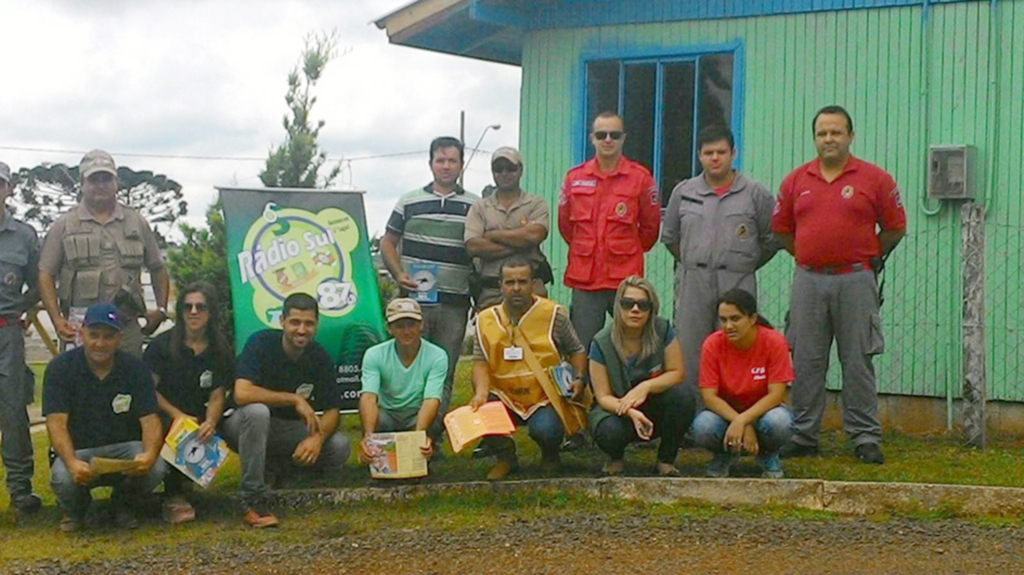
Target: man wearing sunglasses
{"type": "Point", "coordinates": [718, 227]}
{"type": "Point", "coordinates": [95, 253]}
{"type": "Point", "coordinates": [609, 213]}
{"type": "Point", "coordinates": [506, 224]}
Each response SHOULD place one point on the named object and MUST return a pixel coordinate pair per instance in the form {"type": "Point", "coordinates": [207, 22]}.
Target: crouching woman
{"type": "Point", "coordinates": [636, 369]}
{"type": "Point", "coordinates": [744, 370]}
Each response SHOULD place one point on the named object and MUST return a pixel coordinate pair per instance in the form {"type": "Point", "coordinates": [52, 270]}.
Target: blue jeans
{"type": "Point", "coordinates": [773, 430]}
{"type": "Point", "coordinates": [545, 427]}
{"type": "Point", "coordinates": [74, 498]}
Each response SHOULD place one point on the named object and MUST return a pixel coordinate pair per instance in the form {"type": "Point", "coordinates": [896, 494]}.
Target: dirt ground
{"type": "Point", "coordinates": [596, 545]}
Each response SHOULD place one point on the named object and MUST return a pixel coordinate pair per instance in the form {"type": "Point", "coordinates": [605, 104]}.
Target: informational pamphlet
{"type": "Point", "coordinates": [110, 465]}
{"type": "Point", "coordinates": [563, 375]}
{"type": "Point", "coordinates": [425, 276]}
{"type": "Point", "coordinates": [465, 425]}
{"type": "Point", "coordinates": [398, 455]}
{"type": "Point", "coordinates": [198, 460]}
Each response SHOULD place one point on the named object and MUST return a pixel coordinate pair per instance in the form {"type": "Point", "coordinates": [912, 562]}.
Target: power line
{"type": "Point", "coordinates": [216, 158]}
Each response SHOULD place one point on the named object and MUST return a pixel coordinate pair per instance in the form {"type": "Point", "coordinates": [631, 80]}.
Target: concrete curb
{"type": "Point", "coordinates": [843, 497]}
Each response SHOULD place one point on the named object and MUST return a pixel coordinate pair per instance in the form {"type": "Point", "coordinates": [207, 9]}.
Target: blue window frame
{"type": "Point", "coordinates": [665, 100]}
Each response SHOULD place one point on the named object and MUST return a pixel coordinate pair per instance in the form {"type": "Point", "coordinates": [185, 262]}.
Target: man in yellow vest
{"type": "Point", "coordinates": [518, 342]}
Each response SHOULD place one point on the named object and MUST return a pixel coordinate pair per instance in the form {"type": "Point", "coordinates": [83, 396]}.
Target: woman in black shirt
{"type": "Point", "coordinates": [193, 367]}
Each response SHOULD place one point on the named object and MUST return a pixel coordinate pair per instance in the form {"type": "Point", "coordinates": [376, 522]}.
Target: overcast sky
{"type": "Point", "coordinates": [190, 78]}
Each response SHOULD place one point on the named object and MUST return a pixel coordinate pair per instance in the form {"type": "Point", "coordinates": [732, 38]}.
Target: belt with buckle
{"type": "Point", "coordinates": [839, 270]}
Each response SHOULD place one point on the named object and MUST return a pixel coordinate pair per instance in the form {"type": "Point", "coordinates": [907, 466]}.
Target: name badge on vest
{"type": "Point", "coordinates": [513, 353]}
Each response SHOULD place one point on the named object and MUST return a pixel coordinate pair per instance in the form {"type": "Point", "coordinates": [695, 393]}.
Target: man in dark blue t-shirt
{"type": "Point", "coordinates": [99, 403]}
{"type": "Point", "coordinates": [283, 379]}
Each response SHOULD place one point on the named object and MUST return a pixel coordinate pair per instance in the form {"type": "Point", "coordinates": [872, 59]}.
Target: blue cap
{"type": "Point", "coordinates": [103, 313]}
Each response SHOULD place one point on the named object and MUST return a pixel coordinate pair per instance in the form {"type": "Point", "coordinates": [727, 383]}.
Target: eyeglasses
{"type": "Point", "coordinates": [504, 169]}
{"type": "Point", "coordinates": [627, 303]}
{"type": "Point", "coordinates": [602, 135]}
{"type": "Point", "coordinates": [196, 307]}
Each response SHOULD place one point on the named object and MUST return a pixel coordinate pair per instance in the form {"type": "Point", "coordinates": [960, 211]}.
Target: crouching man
{"type": "Point", "coordinates": [516, 344]}
{"type": "Point", "coordinates": [403, 379]}
{"type": "Point", "coordinates": [100, 402]}
{"type": "Point", "coordinates": [283, 379]}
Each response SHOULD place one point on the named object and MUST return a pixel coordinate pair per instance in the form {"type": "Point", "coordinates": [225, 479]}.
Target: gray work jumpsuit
{"type": "Point", "coordinates": [721, 243]}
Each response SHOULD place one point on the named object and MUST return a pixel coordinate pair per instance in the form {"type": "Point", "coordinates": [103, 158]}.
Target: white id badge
{"type": "Point", "coordinates": [513, 353]}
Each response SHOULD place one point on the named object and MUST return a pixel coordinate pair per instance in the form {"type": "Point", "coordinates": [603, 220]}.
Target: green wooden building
{"type": "Point", "coordinates": [914, 74]}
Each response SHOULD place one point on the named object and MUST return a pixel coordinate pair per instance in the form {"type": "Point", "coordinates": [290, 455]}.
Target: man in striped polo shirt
{"type": "Point", "coordinates": [424, 251]}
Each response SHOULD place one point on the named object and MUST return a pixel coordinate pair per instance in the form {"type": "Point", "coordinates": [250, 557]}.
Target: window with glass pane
{"type": "Point", "coordinates": [664, 103]}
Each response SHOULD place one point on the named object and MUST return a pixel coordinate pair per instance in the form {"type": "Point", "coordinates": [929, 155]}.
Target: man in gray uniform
{"type": "Point", "coordinates": [718, 227]}
{"type": "Point", "coordinates": [19, 267]}
{"type": "Point", "coordinates": [95, 253]}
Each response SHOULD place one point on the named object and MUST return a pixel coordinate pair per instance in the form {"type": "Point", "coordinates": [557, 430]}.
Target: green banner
{"type": "Point", "coordinates": [283, 241]}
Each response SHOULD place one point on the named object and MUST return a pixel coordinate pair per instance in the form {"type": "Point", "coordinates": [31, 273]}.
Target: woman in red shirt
{"type": "Point", "coordinates": [744, 370]}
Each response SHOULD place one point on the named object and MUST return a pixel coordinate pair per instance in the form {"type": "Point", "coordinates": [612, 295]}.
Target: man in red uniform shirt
{"type": "Point", "coordinates": [609, 214]}
{"type": "Point", "coordinates": [838, 215]}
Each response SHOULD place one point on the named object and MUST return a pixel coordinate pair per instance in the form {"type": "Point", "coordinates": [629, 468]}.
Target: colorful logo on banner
{"type": "Point", "coordinates": [290, 250]}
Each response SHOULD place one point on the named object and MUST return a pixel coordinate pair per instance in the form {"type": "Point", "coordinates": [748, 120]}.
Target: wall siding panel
{"type": "Point", "coordinates": [909, 82]}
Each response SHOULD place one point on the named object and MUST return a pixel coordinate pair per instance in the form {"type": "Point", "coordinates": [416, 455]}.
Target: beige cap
{"type": "Point", "coordinates": [403, 307]}
{"type": "Point", "coordinates": [509, 153]}
{"type": "Point", "coordinates": [5, 172]}
{"type": "Point", "coordinates": [96, 161]}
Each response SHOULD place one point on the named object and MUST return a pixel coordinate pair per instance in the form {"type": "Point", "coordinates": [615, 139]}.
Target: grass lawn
{"type": "Point", "coordinates": [932, 459]}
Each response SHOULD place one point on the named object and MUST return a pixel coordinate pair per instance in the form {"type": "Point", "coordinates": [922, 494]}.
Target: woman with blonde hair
{"type": "Point", "coordinates": [636, 369]}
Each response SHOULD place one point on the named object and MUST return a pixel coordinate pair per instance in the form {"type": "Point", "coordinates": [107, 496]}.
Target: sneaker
{"type": "Point", "coordinates": [719, 466]}
{"type": "Point", "coordinates": [504, 466]}
{"type": "Point", "coordinates": [27, 504]}
{"type": "Point", "coordinates": [869, 453]}
{"type": "Point", "coordinates": [575, 443]}
{"type": "Point", "coordinates": [124, 516]}
{"type": "Point", "coordinates": [70, 523]}
{"type": "Point", "coordinates": [771, 466]}
{"type": "Point", "coordinates": [793, 449]}
{"type": "Point", "coordinates": [258, 516]}
{"type": "Point", "coordinates": [178, 510]}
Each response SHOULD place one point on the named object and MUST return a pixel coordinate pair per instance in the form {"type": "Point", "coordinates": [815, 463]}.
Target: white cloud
{"type": "Point", "coordinates": [208, 79]}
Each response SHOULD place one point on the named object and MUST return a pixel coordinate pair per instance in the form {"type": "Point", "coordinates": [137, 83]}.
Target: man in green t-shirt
{"type": "Point", "coordinates": [403, 379]}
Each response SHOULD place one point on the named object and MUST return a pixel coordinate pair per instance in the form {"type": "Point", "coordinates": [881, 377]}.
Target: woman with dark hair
{"type": "Point", "coordinates": [193, 367]}
{"type": "Point", "coordinates": [744, 370]}
{"type": "Point", "coordinates": [636, 369]}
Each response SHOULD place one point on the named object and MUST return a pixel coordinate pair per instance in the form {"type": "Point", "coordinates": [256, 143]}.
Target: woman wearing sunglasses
{"type": "Point", "coordinates": [193, 367]}
{"type": "Point", "coordinates": [744, 370]}
{"type": "Point", "coordinates": [636, 369]}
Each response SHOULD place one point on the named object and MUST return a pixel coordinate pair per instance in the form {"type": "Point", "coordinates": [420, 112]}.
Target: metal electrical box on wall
{"type": "Point", "coordinates": [951, 172]}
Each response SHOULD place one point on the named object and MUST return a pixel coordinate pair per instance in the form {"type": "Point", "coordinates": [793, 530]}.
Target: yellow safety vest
{"type": "Point", "coordinates": [512, 380]}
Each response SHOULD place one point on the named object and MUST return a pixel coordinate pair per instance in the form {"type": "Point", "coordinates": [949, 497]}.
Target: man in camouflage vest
{"type": "Point", "coordinates": [95, 253]}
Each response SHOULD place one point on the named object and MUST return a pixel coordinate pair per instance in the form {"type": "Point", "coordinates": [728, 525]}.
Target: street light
{"type": "Point", "coordinates": [475, 148]}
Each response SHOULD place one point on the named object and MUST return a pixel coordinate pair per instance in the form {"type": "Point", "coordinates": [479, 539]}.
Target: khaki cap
{"type": "Point", "coordinates": [403, 307]}
{"type": "Point", "coordinates": [96, 161]}
{"type": "Point", "coordinates": [509, 153]}
{"type": "Point", "coordinates": [5, 172]}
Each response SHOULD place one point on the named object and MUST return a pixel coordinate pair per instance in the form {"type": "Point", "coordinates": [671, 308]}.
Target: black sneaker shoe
{"type": "Point", "coordinates": [27, 504]}
{"type": "Point", "coordinates": [792, 449]}
{"type": "Point", "coordinates": [869, 453]}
